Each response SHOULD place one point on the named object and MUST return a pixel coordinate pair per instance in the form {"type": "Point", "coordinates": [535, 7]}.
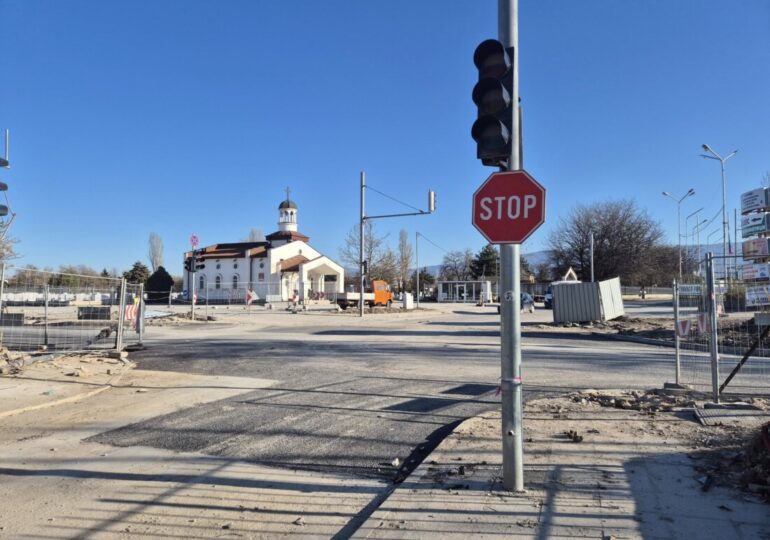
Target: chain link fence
{"type": "Point", "coordinates": [54, 311]}
{"type": "Point", "coordinates": [722, 323]}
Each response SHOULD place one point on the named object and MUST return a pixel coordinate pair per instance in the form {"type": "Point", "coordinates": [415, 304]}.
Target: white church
{"type": "Point", "coordinates": [282, 268]}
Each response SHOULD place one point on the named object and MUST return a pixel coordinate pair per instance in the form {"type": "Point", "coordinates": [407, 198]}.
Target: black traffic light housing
{"type": "Point", "coordinates": [189, 264]}
{"type": "Point", "coordinates": [492, 95]}
{"type": "Point", "coordinates": [199, 266]}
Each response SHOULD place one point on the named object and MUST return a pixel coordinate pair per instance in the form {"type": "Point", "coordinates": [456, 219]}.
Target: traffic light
{"type": "Point", "coordinates": [492, 130]}
{"type": "Point", "coordinates": [199, 266]}
{"type": "Point", "coordinates": [365, 265]}
{"type": "Point", "coordinates": [4, 163]}
{"type": "Point", "coordinates": [3, 208]}
{"type": "Point", "coordinates": [189, 264]}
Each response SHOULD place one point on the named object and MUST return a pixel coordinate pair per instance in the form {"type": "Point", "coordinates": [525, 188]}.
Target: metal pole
{"type": "Point", "coordinates": [592, 257]}
{"type": "Point", "coordinates": [510, 254]}
{"type": "Point", "coordinates": [713, 335]}
{"type": "Point", "coordinates": [676, 332]}
{"type": "Point", "coordinates": [2, 288]}
{"type": "Point", "coordinates": [735, 242]}
{"type": "Point", "coordinates": [121, 315]}
{"type": "Point", "coordinates": [417, 273]}
{"type": "Point", "coordinates": [140, 314]}
{"type": "Point", "coordinates": [192, 295]}
{"type": "Point", "coordinates": [170, 292]}
{"type": "Point", "coordinates": [679, 234]}
{"type": "Point", "coordinates": [724, 217]}
{"type": "Point", "coordinates": [361, 247]}
{"type": "Point", "coordinates": [45, 316]}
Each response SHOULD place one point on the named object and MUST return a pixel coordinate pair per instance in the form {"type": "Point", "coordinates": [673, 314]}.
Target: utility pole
{"type": "Point", "coordinates": [510, 258]}
{"type": "Point", "coordinates": [592, 256]}
{"type": "Point", "coordinates": [417, 273]}
{"type": "Point", "coordinates": [361, 264]}
{"type": "Point", "coordinates": [364, 265]}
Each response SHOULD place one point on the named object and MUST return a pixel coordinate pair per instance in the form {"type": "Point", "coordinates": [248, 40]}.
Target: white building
{"type": "Point", "coordinates": [284, 267]}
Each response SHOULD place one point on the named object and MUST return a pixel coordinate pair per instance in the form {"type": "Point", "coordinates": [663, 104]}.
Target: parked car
{"type": "Point", "coordinates": [548, 299]}
{"type": "Point", "coordinates": [527, 303]}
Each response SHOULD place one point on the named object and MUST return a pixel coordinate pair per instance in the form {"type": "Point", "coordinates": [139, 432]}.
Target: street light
{"type": "Point", "coordinates": [721, 160]}
{"type": "Point", "coordinates": [696, 229]}
{"type": "Point", "coordinates": [687, 227]}
{"type": "Point", "coordinates": [679, 222]}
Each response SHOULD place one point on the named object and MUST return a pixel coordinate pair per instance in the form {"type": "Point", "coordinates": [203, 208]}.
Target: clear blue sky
{"type": "Point", "coordinates": [180, 117]}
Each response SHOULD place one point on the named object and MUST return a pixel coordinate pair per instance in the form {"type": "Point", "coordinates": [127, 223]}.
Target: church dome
{"type": "Point", "coordinates": [288, 203]}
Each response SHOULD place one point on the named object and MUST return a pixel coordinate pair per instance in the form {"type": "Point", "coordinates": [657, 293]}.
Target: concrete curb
{"type": "Point", "coordinates": [71, 399]}
{"type": "Point", "coordinates": [634, 339]}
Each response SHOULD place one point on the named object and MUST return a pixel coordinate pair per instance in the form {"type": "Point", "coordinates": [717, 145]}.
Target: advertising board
{"type": "Point", "coordinates": [689, 289]}
{"type": "Point", "coordinates": [754, 224]}
{"type": "Point", "coordinates": [757, 295]}
{"type": "Point", "coordinates": [756, 248]}
{"type": "Point", "coordinates": [756, 272]}
{"type": "Point", "coordinates": [756, 199]}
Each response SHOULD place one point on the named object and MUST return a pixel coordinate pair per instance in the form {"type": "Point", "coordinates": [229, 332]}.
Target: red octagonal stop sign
{"type": "Point", "coordinates": [508, 207]}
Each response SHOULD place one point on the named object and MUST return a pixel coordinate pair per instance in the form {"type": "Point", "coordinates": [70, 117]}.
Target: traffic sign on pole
{"type": "Point", "coordinates": [508, 207]}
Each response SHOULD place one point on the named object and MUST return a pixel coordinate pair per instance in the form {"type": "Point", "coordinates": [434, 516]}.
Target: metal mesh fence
{"type": "Point", "coordinates": [741, 308]}
{"type": "Point", "coordinates": [306, 293]}
{"type": "Point", "coordinates": [52, 311]}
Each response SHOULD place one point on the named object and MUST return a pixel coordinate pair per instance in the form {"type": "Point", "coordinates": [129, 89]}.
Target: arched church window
{"type": "Point", "coordinates": [201, 282]}
{"type": "Point", "coordinates": [218, 282]}
{"type": "Point", "coordinates": [235, 281]}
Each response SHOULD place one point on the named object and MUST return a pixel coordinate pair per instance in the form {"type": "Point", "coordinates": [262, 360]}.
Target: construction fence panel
{"type": "Point", "coordinates": [53, 311]}
{"type": "Point", "coordinates": [742, 305]}
{"type": "Point", "coordinates": [268, 292]}
{"type": "Point", "coordinates": [133, 315]}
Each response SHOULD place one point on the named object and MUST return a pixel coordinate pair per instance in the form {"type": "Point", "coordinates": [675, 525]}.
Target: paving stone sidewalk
{"type": "Point", "coordinates": [631, 476]}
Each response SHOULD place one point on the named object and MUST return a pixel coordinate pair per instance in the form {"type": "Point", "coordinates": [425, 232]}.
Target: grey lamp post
{"type": "Point", "coordinates": [721, 160]}
{"type": "Point", "coordinates": [687, 237]}
{"type": "Point", "coordinates": [697, 228]}
{"type": "Point", "coordinates": [679, 222]}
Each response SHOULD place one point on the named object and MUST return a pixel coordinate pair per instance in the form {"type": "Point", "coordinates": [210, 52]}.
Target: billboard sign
{"type": "Point", "coordinates": [689, 289]}
{"type": "Point", "coordinates": [756, 199]}
{"type": "Point", "coordinates": [754, 224]}
{"type": "Point", "coordinates": [756, 272]}
{"type": "Point", "coordinates": [757, 295]}
{"type": "Point", "coordinates": [756, 248]}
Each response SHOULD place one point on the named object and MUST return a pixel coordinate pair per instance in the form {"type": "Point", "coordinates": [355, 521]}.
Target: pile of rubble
{"type": "Point", "coordinates": [12, 363]}
{"type": "Point", "coordinates": [651, 401]}
{"type": "Point", "coordinates": [736, 457]}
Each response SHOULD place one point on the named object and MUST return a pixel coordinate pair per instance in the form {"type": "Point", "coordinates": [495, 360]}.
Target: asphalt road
{"type": "Point", "coordinates": [355, 395]}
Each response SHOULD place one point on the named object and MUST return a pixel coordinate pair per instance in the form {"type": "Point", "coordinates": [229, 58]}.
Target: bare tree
{"type": "Point", "coordinates": [624, 239]}
{"type": "Point", "coordinates": [457, 266]}
{"type": "Point", "coordinates": [255, 235]}
{"type": "Point", "coordinates": [8, 248]}
{"type": "Point", "coordinates": [374, 248]}
{"type": "Point", "coordinates": [155, 251]}
{"type": "Point", "coordinates": [405, 254]}
{"type": "Point", "coordinates": [386, 267]}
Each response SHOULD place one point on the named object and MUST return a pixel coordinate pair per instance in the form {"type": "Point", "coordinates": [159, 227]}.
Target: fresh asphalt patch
{"type": "Point", "coordinates": [365, 426]}
{"type": "Point", "coordinates": [340, 407]}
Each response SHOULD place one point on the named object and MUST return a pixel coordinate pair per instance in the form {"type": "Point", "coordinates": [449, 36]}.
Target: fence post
{"type": "Point", "coordinates": [45, 317]}
{"type": "Point", "coordinates": [140, 314]}
{"type": "Point", "coordinates": [121, 315]}
{"type": "Point", "coordinates": [170, 292]}
{"type": "Point", "coordinates": [2, 288]}
{"type": "Point", "coordinates": [676, 333]}
{"type": "Point", "coordinates": [711, 298]}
